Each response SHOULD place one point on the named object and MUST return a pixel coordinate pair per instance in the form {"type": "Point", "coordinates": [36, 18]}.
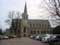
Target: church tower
{"type": "Point", "coordinates": [25, 15]}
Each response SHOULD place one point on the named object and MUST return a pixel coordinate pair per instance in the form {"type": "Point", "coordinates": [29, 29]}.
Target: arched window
{"type": "Point", "coordinates": [34, 25]}
{"type": "Point", "coordinates": [38, 32]}
{"type": "Point", "coordinates": [24, 29]}
{"type": "Point", "coordinates": [31, 32]}
{"type": "Point", "coordinates": [24, 35]}
{"type": "Point", "coordinates": [34, 32]}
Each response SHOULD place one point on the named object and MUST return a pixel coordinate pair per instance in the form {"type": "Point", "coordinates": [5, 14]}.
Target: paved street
{"type": "Point", "coordinates": [21, 41]}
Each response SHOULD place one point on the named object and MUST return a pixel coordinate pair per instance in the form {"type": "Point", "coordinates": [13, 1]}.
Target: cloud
{"type": "Point", "coordinates": [35, 10]}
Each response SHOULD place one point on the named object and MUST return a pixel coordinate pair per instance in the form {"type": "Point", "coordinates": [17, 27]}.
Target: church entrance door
{"type": "Point", "coordinates": [24, 35]}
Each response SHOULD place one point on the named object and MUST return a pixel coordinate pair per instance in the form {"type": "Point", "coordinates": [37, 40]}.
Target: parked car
{"type": "Point", "coordinates": [55, 38]}
{"type": "Point", "coordinates": [45, 37]}
{"type": "Point", "coordinates": [11, 36]}
{"type": "Point", "coordinates": [39, 37]}
{"type": "Point", "coordinates": [33, 36]}
{"type": "Point", "coordinates": [5, 37]}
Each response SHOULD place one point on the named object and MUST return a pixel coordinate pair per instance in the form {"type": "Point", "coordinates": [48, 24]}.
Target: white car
{"type": "Point", "coordinates": [33, 36]}
{"type": "Point", "coordinates": [45, 37]}
{"type": "Point", "coordinates": [5, 37]}
{"type": "Point", "coordinates": [37, 37]}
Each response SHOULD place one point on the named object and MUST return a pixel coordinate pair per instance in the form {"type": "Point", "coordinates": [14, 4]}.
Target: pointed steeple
{"type": "Point", "coordinates": [25, 15]}
{"type": "Point", "coordinates": [25, 8]}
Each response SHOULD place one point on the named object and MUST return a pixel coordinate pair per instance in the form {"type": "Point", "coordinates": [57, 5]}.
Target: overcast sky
{"type": "Point", "coordinates": [35, 11]}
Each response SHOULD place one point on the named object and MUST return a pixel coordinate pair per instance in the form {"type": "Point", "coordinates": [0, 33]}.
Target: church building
{"type": "Point", "coordinates": [27, 27]}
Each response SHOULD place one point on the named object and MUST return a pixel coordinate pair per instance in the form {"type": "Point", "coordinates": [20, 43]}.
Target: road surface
{"type": "Point", "coordinates": [21, 41]}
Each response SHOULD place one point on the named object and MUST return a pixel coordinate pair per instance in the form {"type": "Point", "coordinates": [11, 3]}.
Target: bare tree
{"type": "Point", "coordinates": [10, 18]}
{"type": "Point", "coordinates": [18, 25]}
{"type": "Point", "coordinates": [13, 21]}
{"type": "Point", "coordinates": [9, 21]}
{"type": "Point", "coordinates": [53, 6]}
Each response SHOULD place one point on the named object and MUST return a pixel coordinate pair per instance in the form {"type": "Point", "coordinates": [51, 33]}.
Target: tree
{"type": "Point", "coordinates": [9, 21]}
{"type": "Point", "coordinates": [6, 32]}
{"type": "Point", "coordinates": [1, 32]}
{"type": "Point", "coordinates": [53, 7]}
{"type": "Point", "coordinates": [18, 24]}
{"type": "Point", "coordinates": [10, 18]}
{"type": "Point", "coordinates": [14, 22]}
{"type": "Point", "coordinates": [56, 30]}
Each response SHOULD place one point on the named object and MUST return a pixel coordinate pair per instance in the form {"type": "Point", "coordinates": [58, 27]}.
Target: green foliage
{"type": "Point", "coordinates": [56, 30]}
{"type": "Point", "coordinates": [1, 33]}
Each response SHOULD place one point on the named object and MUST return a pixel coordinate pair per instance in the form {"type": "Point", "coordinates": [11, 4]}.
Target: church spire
{"type": "Point", "coordinates": [25, 8]}
{"type": "Point", "coordinates": [25, 15]}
